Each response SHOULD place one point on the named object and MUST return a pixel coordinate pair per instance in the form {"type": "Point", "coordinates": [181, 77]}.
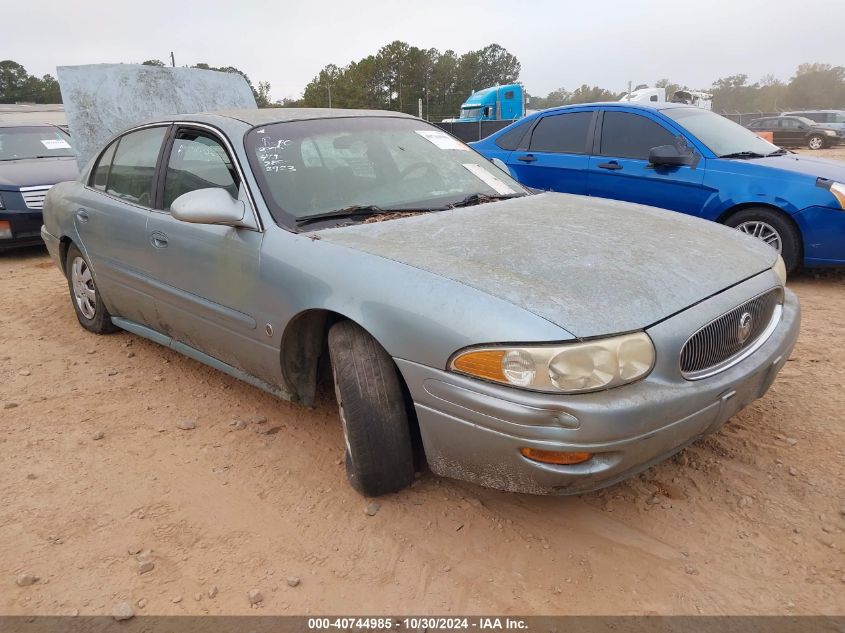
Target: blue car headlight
{"type": "Point", "coordinates": [838, 191]}
{"type": "Point", "coordinates": [2, 206]}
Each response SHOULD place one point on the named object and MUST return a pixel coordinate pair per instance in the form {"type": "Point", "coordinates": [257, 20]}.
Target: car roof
{"type": "Point", "coordinates": [660, 105]}
{"type": "Point", "coordinates": [798, 111]}
{"type": "Point", "coordinates": [259, 116]}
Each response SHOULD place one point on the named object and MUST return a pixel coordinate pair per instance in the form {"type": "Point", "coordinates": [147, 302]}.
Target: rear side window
{"type": "Point", "coordinates": [629, 135]}
{"type": "Point", "coordinates": [198, 161]}
{"type": "Point", "coordinates": [562, 133]}
{"type": "Point", "coordinates": [101, 172]}
{"type": "Point", "coordinates": [133, 166]}
{"type": "Point", "coordinates": [511, 139]}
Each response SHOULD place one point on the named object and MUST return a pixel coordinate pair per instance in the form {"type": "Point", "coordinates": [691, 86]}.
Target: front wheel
{"type": "Point", "coordinates": [379, 453]}
{"type": "Point", "coordinates": [815, 142]}
{"type": "Point", "coordinates": [773, 228]}
{"type": "Point", "coordinates": [87, 303]}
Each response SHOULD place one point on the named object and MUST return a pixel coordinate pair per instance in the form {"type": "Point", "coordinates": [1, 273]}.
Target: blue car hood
{"type": "Point", "coordinates": [807, 165]}
{"type": "Point", "coordinates": [31, 172]}
{"type": "Point", "coordinates": [589, 265]}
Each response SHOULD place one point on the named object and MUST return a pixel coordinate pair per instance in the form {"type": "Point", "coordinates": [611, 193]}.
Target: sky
{"type": "Point", "coordinates": [561, 43]}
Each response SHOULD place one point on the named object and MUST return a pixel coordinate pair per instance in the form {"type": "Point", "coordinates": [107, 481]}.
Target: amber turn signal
{"type": "Point", "coordinates": [555, 457]}
{"type": "Point", "coordinates": [483, 364]}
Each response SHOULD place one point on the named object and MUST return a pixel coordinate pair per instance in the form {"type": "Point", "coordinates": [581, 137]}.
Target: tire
{"type": "Point", "coordinates": [379, 452]}
{"type": "Point", "coordinates": [758, 221]}
{"type": "Point", "coordinates": [816, 141]}
{"type": "Point", "coordinates": [84, 296]}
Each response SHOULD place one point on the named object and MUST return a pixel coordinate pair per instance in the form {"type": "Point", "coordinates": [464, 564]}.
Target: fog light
{"type": "Point", "coordinates": [5, 230]}
{"type": "Point", "coordinates": [555, 457]}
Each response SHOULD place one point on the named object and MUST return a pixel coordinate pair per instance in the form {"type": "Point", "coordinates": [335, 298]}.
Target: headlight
{"type": "Point", "coordinates": [780, 270]}
{"type": "Point", "coordinates": [830, 132]}
{"type": "Point", "coordinates": [1, 203]}
{"type": "Point", "coordinates": [838, 191]}
{"type": "Point", "coordinates": [563, 368]}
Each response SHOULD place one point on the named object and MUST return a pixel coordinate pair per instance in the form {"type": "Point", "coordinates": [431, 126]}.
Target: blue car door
{"type": "Point", "coordinates": [620, 169]}
{"type": "Point", "coordinates": [556, 157]}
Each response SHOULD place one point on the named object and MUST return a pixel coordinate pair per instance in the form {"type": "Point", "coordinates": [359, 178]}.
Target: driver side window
{"type": "Point", "coordinates": [198, 161]}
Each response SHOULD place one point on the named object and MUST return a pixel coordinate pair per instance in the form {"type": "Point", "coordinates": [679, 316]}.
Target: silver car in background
{"type": "Point", "coordinates": [536, 343]}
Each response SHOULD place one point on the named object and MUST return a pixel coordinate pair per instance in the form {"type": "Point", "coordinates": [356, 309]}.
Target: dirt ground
{"type": "Point", "coordinates": [748, 521]}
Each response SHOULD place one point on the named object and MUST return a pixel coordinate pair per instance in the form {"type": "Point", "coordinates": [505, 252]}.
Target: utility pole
{"type": "Point", "coordinates": [329, 87]}
{"type": "Point", "coordinates": [172, 60]}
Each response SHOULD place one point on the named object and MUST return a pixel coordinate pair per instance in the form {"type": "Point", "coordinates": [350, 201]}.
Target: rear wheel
{"type": "Point", "coordinates": [773, 228]}
{"type": "Point", "coordinates": [379, 453]}
{"type": "Point", "coordinates": [815, 142]}
{"type": "Point", "coordinates": [86, 300]}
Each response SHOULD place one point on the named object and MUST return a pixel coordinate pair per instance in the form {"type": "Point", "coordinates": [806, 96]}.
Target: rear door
{"type": "Point", "coordinates": [557, 154]}
{"type": "Point", "coordinates": [208, 281]}
{"type": "Point", "coordinates": [111, 221]}
{"type": "Point", "coordinates": [620, 169]}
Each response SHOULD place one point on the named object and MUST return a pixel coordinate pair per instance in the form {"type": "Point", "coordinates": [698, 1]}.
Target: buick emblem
{"type": "Point", "coordinates": [745, 323]}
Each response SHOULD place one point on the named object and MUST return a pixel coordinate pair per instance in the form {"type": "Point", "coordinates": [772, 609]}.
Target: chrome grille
{"type": "Point", "coordinates": [33, 197]}
{"type": "Point", "coordinates": [731, 337]}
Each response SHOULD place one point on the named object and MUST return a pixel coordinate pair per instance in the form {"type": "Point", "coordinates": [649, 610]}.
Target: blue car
{"type": "Point", "coordinates": [685, 159]}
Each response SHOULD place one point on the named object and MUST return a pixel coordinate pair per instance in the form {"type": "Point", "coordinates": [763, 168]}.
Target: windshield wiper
{"type": "Point", "coordinates": [354, 211]}
{"type": "Point", "coordinates": [778, 152]}
{"type": "Point", "coordinates": [742, 155]}
{"type": "Point", "coordinates": [481, 198]}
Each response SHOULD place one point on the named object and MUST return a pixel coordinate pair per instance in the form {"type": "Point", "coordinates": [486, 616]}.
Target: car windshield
{"type": "Point", "coordinates": [722, 136]}
{"type": "Point", "coordinates": [322, 166]}
{"type": "Point", "coordinates": [34, 142]}
{"type": "Point", "coordinates": [806, 121]}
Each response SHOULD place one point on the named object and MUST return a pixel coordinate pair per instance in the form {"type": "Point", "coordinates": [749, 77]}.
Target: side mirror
{"type": "Point", "coordinates": [669, 155]}
{"type": "Point", "coordinates": [209, 206]}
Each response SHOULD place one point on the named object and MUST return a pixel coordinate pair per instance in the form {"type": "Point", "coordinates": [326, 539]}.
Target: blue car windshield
{"type": "Point", "coordinates": [722, 136]}
{"type": "Point", "coordinates": [34, 142]}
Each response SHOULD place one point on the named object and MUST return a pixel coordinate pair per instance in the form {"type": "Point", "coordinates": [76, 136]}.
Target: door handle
{"type": "Point", "coordinates": [82, 214]}
{"type": "Point", "coordinates": [158, 239]}
{"type": "Point", "coordinates": [612, 165]}
{"type": "Point", "coordinates": [528, 158]}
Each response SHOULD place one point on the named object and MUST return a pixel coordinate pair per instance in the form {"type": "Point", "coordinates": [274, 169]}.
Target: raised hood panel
{"type": "Point", "coordinates": [589, 265]}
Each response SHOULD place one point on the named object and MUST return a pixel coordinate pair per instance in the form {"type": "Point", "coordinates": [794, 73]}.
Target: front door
{"type": "Point", "coordinates": [209, 282]}
{"type": "Point", "coordinates": [621, 170]}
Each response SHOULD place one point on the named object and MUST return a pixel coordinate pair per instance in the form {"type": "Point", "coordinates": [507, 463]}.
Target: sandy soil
{"type": "Point", "coordinates": [747, 521]}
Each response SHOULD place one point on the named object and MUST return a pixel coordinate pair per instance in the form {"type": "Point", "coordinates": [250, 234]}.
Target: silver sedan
{"type": "Point", "coordinates": [540, 343]}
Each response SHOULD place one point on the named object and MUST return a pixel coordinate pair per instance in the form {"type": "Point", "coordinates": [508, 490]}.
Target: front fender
{"type": "Point", "coordinates": [415, 315]}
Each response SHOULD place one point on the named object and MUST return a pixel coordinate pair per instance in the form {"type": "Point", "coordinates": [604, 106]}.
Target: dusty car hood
{"type": "Point", "coordinates": [31, 172]}
{"type": "Point", "coordinates": [590, 265]}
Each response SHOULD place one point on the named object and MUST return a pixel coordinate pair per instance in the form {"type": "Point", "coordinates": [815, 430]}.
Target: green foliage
{"type": "Point", "coordinates": [398, 76]}
{"type": "Point", "coordinates": [153, 62]}
{"type": "Point", "coordinates": [17, 85]}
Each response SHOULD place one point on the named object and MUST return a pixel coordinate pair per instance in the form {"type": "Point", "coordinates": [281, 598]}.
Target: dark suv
{"type": "Point", "coordinates": [796, 131]}
{"type": "Point", "coordinates": [33, 158]}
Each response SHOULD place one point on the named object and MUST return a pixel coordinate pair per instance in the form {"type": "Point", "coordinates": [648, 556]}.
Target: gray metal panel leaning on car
{"type": "Point", "coordinates": [540, 343]}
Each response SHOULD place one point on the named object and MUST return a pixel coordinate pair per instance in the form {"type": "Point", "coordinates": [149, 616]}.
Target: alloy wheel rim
{"type": "Point", "coordinates": [815, 143]}
{"type": "Point", "coordinates": [764, 232]}
{"type": "Point", "coordinates": [84, 291]}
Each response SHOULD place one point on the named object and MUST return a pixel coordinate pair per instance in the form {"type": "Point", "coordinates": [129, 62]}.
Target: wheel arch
{"type": "Point", "coordinates": [304, 358]}
{"type": "Point", "coordinates": [64, 245]}
{"type": "Point", "coordinates": [304, 349]}
{"type": "Point", "coordinates": [729, 213]}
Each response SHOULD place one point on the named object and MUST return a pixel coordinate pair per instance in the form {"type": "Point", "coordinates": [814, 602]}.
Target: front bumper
{"type": "Point", "coordinates": [25, 228]}
{"type": "Point", "coordinates": [473, 430]}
